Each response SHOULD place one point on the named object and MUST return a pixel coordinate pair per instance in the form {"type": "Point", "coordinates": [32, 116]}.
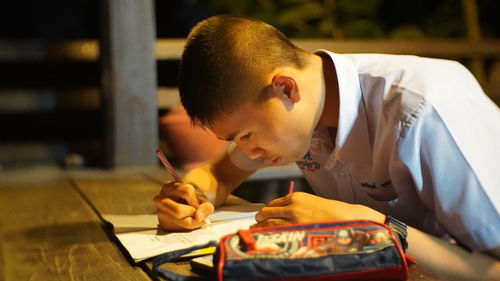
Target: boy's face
{"type": "Point", "coordinates": [272, 130]}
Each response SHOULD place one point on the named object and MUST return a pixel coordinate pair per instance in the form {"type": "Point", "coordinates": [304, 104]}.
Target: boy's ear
{"type": "Point", "coordinates": [283, 84]}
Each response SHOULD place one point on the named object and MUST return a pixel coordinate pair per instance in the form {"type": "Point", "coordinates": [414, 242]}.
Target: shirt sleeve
{"type": "Point", "coordinates": [446, 182]}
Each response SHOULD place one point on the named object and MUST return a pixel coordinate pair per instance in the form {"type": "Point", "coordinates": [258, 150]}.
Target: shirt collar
{"type": "Point", "coordinates": [352, 143]}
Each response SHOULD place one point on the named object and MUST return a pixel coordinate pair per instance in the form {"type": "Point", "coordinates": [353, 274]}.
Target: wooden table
{"type": "Point", "coordinates": [51, 226]}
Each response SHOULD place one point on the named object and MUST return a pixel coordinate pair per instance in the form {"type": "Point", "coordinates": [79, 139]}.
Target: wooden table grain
{"type": "Point", "coordinates": [49, 232]}
{"type": "Point", "coordinates": [51, 226]}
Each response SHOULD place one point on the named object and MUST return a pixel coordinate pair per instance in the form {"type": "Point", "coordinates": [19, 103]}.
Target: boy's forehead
{"type": "Point", "coordinates": [225, 128]}
{"type": "Point", "coordinates": [230, 124]}
{"type": "Point", "coordinates": [224, 131]}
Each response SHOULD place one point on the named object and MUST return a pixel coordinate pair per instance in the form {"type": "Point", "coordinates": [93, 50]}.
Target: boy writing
{"type": "Point", "coordinates": [375, 135]}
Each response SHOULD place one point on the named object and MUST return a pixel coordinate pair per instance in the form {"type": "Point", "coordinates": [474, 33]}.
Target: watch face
{"type": "Point", "coordinates": [397, 225]}
{"type": "Point", "coordinates": [400, 230]}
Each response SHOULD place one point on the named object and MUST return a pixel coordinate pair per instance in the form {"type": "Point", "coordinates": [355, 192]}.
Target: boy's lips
{"type": "Point", "coordinates": [278, 161]}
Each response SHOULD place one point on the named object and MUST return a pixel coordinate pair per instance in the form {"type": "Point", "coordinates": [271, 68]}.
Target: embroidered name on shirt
{"type": "Point", "coordinates": [308, 164]}
{"type": "Point", "coordinates": [386, 184]}
{"type": "Point", "coordinates": [374, 186]}
{"type": "Point", "coordinates": [369, 185]}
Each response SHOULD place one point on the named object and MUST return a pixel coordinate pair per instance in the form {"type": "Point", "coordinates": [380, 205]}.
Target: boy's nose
{"type": "Point", "coordinates": [252, 152]}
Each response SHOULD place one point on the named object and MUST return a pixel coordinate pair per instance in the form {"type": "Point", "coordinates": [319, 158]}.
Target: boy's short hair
{"type": "Point", "coordinates": [225, 62]}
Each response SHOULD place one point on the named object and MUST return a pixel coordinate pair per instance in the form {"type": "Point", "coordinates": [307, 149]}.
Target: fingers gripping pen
{"type": "Point", "coordinates": [171, 171]}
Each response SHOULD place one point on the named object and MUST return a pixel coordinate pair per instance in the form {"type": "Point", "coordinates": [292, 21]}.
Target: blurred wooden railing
{"type": "Point", "coordinates": [168, 51]}
{"type": "Point", "coordinates": [64, 66]}
{"type": "Point", "coordinates": [172, 48]}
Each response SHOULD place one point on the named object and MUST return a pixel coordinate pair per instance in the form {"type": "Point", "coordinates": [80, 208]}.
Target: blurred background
{"type": "Point", "coordinates": [51, 74]}
{"type": "Point", "coordinates": [88, 92]}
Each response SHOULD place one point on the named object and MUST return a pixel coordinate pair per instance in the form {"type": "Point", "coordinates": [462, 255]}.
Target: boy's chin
{"type": "Point", "coordinates": [295, 156]}
{"type": "Point", "coordinates": [299, 155]}
{"type": "Point", "coordinates": [290, 160]}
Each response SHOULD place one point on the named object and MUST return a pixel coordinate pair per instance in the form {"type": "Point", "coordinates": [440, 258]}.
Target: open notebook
{"type": "Point", "coordinates": [142, 238]}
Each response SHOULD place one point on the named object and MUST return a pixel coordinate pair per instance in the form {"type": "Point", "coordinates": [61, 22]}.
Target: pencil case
{"type": "Point", "coordinates": [339, 250]}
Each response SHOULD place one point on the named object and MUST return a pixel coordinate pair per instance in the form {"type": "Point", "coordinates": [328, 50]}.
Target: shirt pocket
{"type": "Point", "coordinates": [377, 184]}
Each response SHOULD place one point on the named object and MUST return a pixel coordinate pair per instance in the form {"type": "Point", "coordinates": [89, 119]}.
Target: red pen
{"type": "Point", "coordinates": [290, 187]}
{"type": "Point", "coordinates": [168, 166]}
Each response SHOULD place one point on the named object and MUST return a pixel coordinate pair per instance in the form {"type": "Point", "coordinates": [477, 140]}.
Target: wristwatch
{"type": "Point", "coordinates": [400, 229]}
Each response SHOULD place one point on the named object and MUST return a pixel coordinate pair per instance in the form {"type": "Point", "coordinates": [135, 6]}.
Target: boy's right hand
{"type": "Point", "coordinates": [180, 207]}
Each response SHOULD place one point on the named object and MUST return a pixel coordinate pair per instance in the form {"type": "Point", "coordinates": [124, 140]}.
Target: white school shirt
{"type": "Point", "coordinates": [417, 139]}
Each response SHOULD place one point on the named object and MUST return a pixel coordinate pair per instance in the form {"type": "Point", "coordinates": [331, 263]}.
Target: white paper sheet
{"type": "Point", "coordinates": [142, 238]}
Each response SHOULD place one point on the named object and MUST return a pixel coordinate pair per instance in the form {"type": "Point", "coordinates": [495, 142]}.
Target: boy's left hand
{"type": "Point", "coordinates": [300, 207]}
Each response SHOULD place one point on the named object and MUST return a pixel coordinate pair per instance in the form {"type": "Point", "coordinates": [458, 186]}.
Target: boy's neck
{"type": "Point", "coordinates": [330, 113]}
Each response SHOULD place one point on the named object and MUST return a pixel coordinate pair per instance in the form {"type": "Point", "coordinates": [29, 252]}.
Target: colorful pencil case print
{"type": "Point", "coordinates": [345, 250]}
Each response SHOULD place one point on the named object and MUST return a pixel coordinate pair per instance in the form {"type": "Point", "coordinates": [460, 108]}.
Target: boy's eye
{"type": "Point", "coordinates": [247, 136]}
